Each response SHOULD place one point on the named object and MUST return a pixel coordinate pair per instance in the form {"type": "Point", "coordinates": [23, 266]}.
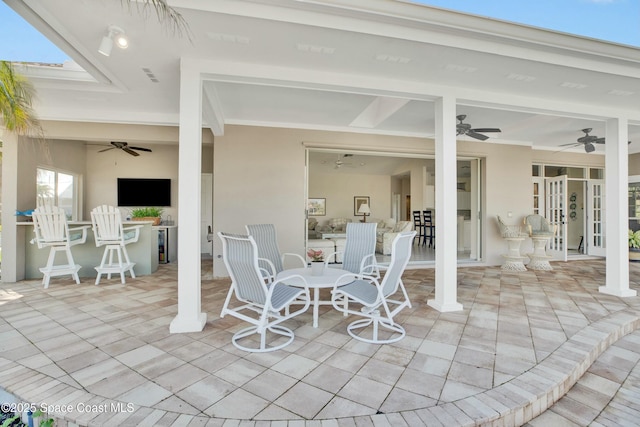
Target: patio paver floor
{"type": "Point", "coordinates": [520, 343]}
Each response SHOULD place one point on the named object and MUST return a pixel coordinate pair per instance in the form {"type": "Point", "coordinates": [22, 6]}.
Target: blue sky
{"type": "Point", "coordinates": [613, 20]}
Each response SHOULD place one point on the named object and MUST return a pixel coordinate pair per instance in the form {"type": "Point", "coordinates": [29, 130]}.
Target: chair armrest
{"type": "Point", "coordinates": [370, 265]}
{"type": "Point", "coordinates": [136, 236]}
{"type": "Point", "coordinates": [298, 256]}
{"type": "Point", "coordinates": [82, 238]}
{"type": "Point", "coordinates": [332, 255]}
{"type": "Point", "coordinates": [270, 270]}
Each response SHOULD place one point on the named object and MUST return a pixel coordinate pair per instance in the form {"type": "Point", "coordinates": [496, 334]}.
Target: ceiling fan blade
{"type": "Point", "coordinates": [598, 141]}
{"type": "Point", "coordinates": [485, 130]}
{"type": "Point", "coordinates": [106, 149]}
{"type": "Point", "coordinates": [574, 144]}
{"type": "Point", "coordinates": [141, 149]}
{"type": "Point", "coordinates": [133, 153]}
{"type": "Point", "coordinates": [479, 136]}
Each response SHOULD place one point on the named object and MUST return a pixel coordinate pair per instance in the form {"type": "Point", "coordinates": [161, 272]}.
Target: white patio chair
{"type": "Point", "coordinates": [52, 231]}
{"type": "Point", "coordinates": [377, 297]}
{"type": "Point", "coordinates": [270, 260]}
{"type": "Point", "coordinates": [109, 232]}
{"type": "Point", "coordinates": [265, 300]}
{"type": "Point", "coordinates": [359, 254]}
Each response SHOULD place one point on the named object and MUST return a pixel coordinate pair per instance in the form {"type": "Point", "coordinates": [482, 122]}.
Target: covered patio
{"type": "Point", "coordinates": [103, 355]}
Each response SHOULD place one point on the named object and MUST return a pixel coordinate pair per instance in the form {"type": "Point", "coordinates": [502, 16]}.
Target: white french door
{"type": "Point", "coordinates": [595, 242]}
{"type": "Point", "coordinates": [555, 204]}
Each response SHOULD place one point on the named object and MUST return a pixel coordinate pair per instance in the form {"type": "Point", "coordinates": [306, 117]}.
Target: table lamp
{"type": "Point", "coordinates": [364, 211]}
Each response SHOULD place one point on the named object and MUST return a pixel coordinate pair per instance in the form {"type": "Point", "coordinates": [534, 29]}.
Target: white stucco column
{"type": "Point", "coordinates": [12, 245]}
{"type": "Point", "coordinates": [446, 292]}
{"type": "Point", "coordinates": [616, 209]}
{"type": "Point", "coordinates": [190, 317]}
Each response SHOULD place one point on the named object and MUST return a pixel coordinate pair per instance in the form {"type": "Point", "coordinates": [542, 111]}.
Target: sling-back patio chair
{"type": "Point", "coordinates": [266, 301]}
{"type": "Point", "coordinates": [52, 231]}
{"type": "Point", "coordinates": [377, 298]}
{"type": "Point", "coordinates": [109, 232]}
{"type": "Point", "coordinates": [359, 254]}
{"type": "Point", "coordinates": [270, 260]}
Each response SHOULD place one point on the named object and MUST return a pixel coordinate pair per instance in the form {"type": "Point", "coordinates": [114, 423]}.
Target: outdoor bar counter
{"type": "Point", "coordinates": [144, 252]}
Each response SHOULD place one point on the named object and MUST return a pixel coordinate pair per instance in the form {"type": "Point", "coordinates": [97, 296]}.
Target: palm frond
{"type": "Point", "coordinates": [166, 15]}
{"type": "Point", "coordinates": [16, 97]}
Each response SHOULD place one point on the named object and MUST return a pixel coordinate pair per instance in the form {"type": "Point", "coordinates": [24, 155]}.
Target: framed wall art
{"type": "Point", "coordinates": [317, 207]}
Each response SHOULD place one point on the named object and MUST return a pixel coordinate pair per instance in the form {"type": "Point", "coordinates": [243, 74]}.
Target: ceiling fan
{"type": "Point", "coordinates": [586, 140]}
{"type": "Point", "coordinates": [339, 163]}
{"type": "Point", "coordinates": [465, 129]}
{"type": "Point", "coordinates": [125, 147]}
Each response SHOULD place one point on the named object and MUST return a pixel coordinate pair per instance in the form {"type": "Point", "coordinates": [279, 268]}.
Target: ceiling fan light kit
{"type": "Point", "coordinates": [586, 140]}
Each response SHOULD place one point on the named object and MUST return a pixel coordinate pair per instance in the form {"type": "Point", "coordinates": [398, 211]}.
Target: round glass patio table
{"type": "Point", "coordinates": [326, 280]}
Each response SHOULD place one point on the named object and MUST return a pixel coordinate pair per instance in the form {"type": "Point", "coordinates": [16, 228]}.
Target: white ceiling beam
{"type": "Point", "coordinates": [212, 110]}
{"type": "Point", "coordinates": [378, 111]}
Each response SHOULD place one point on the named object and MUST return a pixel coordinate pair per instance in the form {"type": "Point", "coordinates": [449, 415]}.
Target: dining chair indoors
{"type": "Point", "coordinates": [359, 254]}
{"type": "Point", "coordinates": [109, 232]}
{"type": "Point", "coordinates": [418, 225]}
{"type": "Point", "coordinates": [380, 300]}
{"type": "Point", "coordinates": [429, 228]}
{"type": "Point", "coordinates": [52, 231]}
{"type": "Point", "coordinates": [264, 304]}
{"type": "Point", "coordinates": [270, 260]}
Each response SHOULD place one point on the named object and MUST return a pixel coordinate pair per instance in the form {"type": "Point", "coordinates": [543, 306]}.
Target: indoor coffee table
{"type": "Point", "coordinates": [326, 280]}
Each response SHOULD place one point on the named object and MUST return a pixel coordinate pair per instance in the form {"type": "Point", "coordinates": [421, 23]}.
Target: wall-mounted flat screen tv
{"type": "Point", "coordinates": [144, 192]}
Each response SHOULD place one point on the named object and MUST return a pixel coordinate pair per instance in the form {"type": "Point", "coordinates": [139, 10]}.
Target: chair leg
{"type": "Point", "coordinates": [104, 258]}
{"type": "Point", "coordinates": [128, 261]}
{"type": "Point", "coordinates": [48, 267]}
{"type": "Point", "coordinates": [72, 264]}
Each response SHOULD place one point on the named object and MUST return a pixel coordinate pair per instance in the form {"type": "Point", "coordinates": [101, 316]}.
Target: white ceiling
{"type": "Point", "coordinates": [335, 65]}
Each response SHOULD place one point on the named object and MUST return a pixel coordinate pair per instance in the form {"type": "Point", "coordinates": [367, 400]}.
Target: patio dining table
{"type": "Point", "coordinates": [327, 279]}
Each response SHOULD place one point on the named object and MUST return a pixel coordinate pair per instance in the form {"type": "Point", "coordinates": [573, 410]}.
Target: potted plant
{"type": "Point", "coordinates": [147, 214]}
{"type": "Point", "coordinates": [317, 261]}
{"type": "Point", "coordinates": [634, 245]}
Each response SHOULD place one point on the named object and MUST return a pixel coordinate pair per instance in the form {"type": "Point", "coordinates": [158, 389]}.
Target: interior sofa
{"type": "Point", "coordinates": [387, 231]}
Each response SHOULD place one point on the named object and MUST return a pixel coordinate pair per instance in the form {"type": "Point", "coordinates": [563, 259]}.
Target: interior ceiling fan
{"type": "Point", "coordinates": [339, 163]}
{"type": "Point", "coordinates": [466, 129]}
{"type": "Point", "coordinates": [124, 146]}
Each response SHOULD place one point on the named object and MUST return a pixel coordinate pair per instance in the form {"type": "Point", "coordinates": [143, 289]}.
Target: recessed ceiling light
{"type": "Point", "coordinates": [571, 85]}
{"type": "Point", "coordinates": [315, 49]}
{"type": "Point", "coordinates": [520, 77]}
{"type": "Point", "coordinates": [392, 58]}
{"type": "Point", "coordinates": [229, 38]}
{"type": "Point", "coordinates": [619, 92]}
{"type": "Point", "coordinates": [460, 68]}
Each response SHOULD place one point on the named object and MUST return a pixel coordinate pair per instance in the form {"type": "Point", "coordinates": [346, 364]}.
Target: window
{"type": "Point", "coordinates": [59, 189]}
{"type": "Point", "coordinates": [634, 200]}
